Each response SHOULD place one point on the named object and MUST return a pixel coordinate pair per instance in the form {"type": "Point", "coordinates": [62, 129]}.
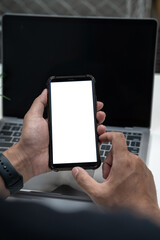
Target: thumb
{"type": "Point", "coordinates": [86, 182]}
{"type": "Point", "coordinates": [39, 104]}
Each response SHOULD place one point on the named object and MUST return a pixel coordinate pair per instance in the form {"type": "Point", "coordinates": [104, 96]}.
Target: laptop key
{"type": "Point", "coordinates": [135, 134]}
{"type": "Point", "coordinates": [6, 144]}
{"type": "Point", "coordinates": [135, 144]}
{"type": "Point", "coordinates": [6, 127]}
{"type": "Point", "coordinates": [134, 138]}
{"type": "Point", "coordinates": [5, 139]}
{"type": "Point", "coordinates": [5, 133]}
{"type": "Point", "coordinates": [102, 159]}
{"type": "Point", "coordinates": [128, 143]}
{"type": "Point", "coordinates": [15, 128]}
{"type": "Point", "coordinates": [17, 134]}
{"type": "Point", "coordinates": [3, 149]}
{"type": "Point", "coordinates": [105, 147]}
{"type": "Point", "coordinates": [105, 153]}
{"type": "Point", "coordinates": [15, 139]}
{"type": "Point", "coordinates": [10, 124]}
{"type": "Point", "coordinates": [133, 150]}
{"type": "Point", "coordinates": [101, 153]}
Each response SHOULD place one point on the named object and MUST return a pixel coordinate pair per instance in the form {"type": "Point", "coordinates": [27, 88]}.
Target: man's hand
{"type": "Point", "coordinates": [30, 155]}
{"type": "Point", "coordinates": [128, 182]}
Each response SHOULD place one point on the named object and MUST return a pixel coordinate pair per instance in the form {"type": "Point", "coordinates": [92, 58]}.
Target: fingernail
{"type": "Point", "coordinates": [75, 171]}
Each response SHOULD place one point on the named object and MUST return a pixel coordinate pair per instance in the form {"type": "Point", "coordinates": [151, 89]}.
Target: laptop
{"type": "Point", "coordinates": [118, 52]}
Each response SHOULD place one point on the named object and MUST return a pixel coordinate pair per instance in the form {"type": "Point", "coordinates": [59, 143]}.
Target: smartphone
{"type": "Point", "coordinates": [72, 122]}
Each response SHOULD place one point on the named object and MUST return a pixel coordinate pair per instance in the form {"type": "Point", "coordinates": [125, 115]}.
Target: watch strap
{"type": "Point", "coordinates": [13, 180]}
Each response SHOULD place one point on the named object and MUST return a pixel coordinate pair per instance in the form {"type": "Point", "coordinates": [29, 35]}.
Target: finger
{"type": "Point", "coordinates": [100, 116]}
{"type": "Point", "coordinates": [86, 182]}
{"type": "Point", "coordinates": [99, 105]}
{"type": "Point", "coordinates": [117, 139]}
{"type": "Point", "coordinates": [39, 104]}
{"type": "Point", "coordinates": [107, 164]}
{"type": "Point", "coordinates": [106, 168]}
{"type": "Point", "coordinates": [101, 129]}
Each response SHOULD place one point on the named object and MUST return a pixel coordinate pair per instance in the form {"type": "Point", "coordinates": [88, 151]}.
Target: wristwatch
{"type": "Point", "coordinates": [13, 180]}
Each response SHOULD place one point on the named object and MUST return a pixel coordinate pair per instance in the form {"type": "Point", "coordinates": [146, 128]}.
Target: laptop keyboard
{"type": "Point", "coordinates": [11, 132]}
{"type": "Point", "coordinates": [9, 135]}
{"type": "Point", "coordinates": [133, 143]}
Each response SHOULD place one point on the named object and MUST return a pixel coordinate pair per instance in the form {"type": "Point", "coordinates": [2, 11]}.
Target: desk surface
{"type": "Point", "coordinates": [153, 157]}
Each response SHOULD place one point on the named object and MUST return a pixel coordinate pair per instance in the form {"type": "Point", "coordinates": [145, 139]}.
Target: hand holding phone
{"type": "Point", "coordinates": [72, 123]}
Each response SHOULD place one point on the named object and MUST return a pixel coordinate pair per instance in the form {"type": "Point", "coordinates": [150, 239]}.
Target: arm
{"type": "Point", "coordinates": [128, 182]}
{"type": "Point", "coordinates": [30, 155]}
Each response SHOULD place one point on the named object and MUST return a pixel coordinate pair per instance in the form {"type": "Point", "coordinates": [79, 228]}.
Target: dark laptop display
{"type": "Point", "coordinates": [119, 53]}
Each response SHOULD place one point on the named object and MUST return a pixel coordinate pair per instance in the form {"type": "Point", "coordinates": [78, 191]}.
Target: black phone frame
{"type": "Point", "coordinates": [69, 166]}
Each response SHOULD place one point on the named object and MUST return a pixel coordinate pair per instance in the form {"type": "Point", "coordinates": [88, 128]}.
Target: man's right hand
{"type": "Point", "coordinates": [128, 182]}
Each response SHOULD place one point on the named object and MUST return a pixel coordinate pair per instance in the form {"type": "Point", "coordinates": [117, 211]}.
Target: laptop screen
{"type": "Point", "coordinates": [119, 53]}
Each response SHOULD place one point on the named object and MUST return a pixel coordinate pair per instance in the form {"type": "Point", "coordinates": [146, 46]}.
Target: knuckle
{"type": "Point", "coordinates": [120, 135]}
{"type": "Point", "coordinates": [140, 166]}
{"type": "Point", "coordinates": [129, 163]}
{"type": "Point", "coordinates": [139, 161]}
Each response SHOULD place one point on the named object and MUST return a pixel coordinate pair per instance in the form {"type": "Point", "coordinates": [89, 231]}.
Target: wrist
{"type": "Point", "coordinates": [19, 160]}
{"type": "Point", "coordinates": [149, 210]}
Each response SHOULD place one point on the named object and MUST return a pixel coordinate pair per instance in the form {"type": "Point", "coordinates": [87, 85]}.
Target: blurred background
{"type": "Point", "coordinates": [107, 8]}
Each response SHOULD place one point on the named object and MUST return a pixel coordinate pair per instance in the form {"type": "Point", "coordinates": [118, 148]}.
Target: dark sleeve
{"type": "Point", "coordinates": [23, 220]}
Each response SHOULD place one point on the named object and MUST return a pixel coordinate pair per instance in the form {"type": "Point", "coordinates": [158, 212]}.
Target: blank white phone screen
{"type": "Point", "coordinates": [73, 123]}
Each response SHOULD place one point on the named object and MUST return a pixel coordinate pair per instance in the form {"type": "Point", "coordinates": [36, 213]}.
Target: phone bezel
{"type": "Point", "coordinates": [69, 166]}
